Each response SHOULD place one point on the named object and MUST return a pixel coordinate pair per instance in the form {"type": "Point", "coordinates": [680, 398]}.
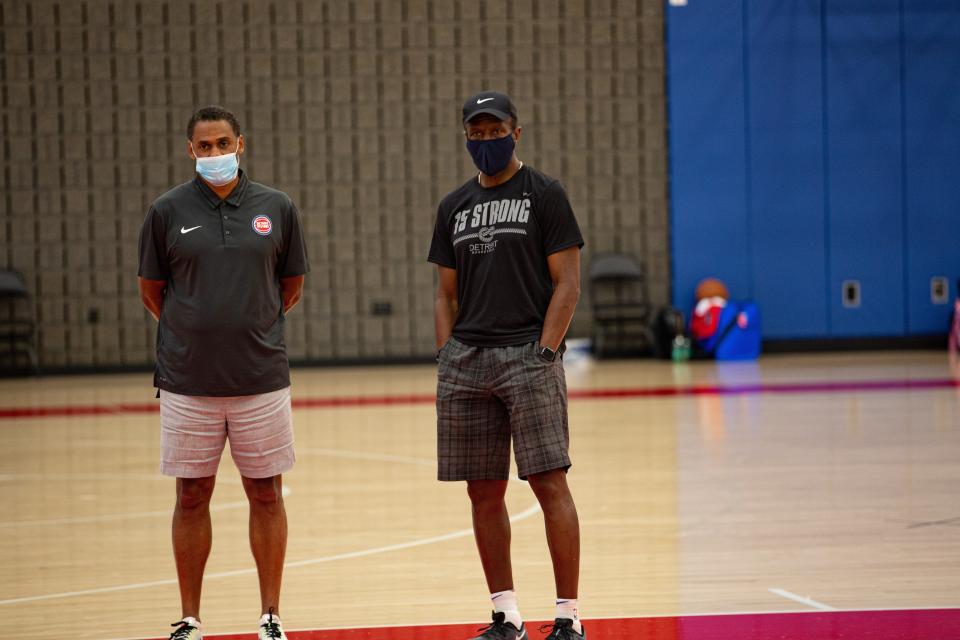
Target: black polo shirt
{"type": "Point", "coordinates": [221, 325]}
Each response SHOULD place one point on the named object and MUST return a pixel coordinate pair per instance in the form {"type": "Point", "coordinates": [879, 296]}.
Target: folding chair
{"type": "Point", "coordinates": [17, 328]}
{"type": "Point", "coordinates": [622, 314]}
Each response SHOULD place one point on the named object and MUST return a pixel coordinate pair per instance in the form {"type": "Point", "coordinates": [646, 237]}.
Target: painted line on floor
{"type": "Point", "coordinates": [462, 533]}
{"type": "Point", "coordinates": [783, 593]}
{"type": "Point", "coordinates": [360, 553]}
{"type": "Point", "coordinates": [840, 621]}
{"type": "Point", "coordinates": [855, 386]}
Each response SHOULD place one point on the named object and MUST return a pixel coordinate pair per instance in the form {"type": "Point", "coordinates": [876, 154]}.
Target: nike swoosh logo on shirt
{"type": "Point", "coordinates": [481, 101]}
{"type": "Point", "coordinates": [185, 230]}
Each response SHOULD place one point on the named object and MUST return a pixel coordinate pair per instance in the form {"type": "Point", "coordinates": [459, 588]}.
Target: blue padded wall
{"type": "Point", "coordinates": [932, 144]}
{"type": "Point", "coordinates": [864, 160]}
{"type": "Point", "coordinates": [706, 114]}
{"type": "Point", "coordinates": [841, 163]}
{"type": "Point", "coordinates": [786, 165]}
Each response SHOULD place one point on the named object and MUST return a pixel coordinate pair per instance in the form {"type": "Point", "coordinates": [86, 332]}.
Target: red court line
{"type": "Point", "coordinates": [77, 411]}
{"type": "Point", "coordinates": [921, 624]}
{"type": "Point", "coordinates": [73, 411]}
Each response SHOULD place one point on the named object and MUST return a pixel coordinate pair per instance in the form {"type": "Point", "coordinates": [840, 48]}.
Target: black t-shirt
{"type": "Point", "coordinates": [498, 240]}
{"type": "Point", "coordinates": [221, 324]}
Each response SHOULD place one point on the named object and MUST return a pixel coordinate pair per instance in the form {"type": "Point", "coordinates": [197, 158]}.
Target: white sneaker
{"type": "Point", "coordinates": [270, 628]}
{"type": "Point", "coordinates": [187, 629]}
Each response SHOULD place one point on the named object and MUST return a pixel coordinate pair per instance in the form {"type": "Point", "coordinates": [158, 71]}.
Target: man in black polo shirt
{"type": "Point", "coordinates": [507, 248]}
{"type": "Point", "coordinates": [222, 260]}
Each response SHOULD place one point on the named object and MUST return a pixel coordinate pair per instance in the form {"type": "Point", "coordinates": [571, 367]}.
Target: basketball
{"type": "Point", "coordinates": [711, 288]}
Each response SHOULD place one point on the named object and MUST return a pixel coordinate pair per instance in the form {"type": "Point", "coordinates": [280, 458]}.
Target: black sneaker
{"type": "Point", "coordinates": [499, 629]}
{"type": "Point", "coordinates": [562, 629]}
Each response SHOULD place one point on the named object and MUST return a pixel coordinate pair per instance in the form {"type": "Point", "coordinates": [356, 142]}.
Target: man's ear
{"type": "Point", "coordinates": [190, 152]}
{"type": "Point", "coordinates": [241, 144]}
{"type": "Point", "coordinates": [516, 133]}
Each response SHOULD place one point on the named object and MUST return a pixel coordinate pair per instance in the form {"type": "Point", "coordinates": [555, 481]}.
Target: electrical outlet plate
{"type": "Point", "coordinates": [939, 290]}
{"type": "Point", "coordinates": [850, 294]}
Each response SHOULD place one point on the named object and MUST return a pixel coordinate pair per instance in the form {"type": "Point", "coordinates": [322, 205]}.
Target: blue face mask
{"type": "Point", "coordinates": [492, 156]}
{"type": "Point", "coordinates": [218, 170]}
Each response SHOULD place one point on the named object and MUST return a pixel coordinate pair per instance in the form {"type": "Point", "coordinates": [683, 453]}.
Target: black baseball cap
{"type": "Point", "coordinates": [491, 102]}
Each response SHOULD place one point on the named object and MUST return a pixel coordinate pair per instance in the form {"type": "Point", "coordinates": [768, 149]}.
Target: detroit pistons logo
{"type": "Point", "coordinates": [486, 234]}
{"type": "Point", "coordinates": [262, 225]}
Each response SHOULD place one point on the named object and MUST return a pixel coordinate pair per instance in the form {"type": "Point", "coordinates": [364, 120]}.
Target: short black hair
{"type": "Point", "coordinates": [212, 113]}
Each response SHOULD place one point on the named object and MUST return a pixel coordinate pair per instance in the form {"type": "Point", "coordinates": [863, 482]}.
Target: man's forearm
{"type": "Point", "coordinates": [444, 315]}
{"type": "Point", "coordinates": [291, 298]}
{"type": "Point", "coordinates": [151, 295]}
{"type": "Point", "coordinates": [291, 290]}
{"type": "Point", "coordinates": [559, 314]}
{"type": "Point", "coordinates": [153, 305]}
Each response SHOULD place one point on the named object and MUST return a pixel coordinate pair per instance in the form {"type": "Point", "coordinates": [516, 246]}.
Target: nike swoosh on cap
{"type": "Point", "coordinates": [482, 100]}
{"type": "Point", "coordinates": [185, 230]}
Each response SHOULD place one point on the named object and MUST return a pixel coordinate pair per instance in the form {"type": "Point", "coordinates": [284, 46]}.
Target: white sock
{"type": "Point", "coordinates": [193, 622]}
{"type": "Point", "coordinates": [505, 602]}
{"type": "Point", "coordinates": [567, 608]}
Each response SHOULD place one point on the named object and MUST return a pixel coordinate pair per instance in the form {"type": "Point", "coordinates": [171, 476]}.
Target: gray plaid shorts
{"type": "Point", "coordinates": [485, 396]}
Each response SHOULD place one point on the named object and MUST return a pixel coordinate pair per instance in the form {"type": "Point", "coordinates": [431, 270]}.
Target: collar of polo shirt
{"type": "Point", "coordinates": [235, 198]}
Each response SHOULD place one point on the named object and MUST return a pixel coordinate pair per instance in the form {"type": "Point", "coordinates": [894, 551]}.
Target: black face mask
{"type": "Point", "coordinates": [492, 156]}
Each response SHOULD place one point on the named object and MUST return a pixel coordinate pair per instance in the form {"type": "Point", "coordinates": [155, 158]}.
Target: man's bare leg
{"type": "Point", "coordinates": [192, 538]}
{"type": "Point", "coordinates": [268, 536]}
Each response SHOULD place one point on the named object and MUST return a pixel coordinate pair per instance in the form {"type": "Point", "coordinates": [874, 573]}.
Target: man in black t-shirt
{"type": "Point", "coordinates": [222, 260]}
{"type": "Point", "coordinates": [507, 248]}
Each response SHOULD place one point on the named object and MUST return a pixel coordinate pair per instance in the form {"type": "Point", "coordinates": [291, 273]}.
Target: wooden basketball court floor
{"type": "Point", "coordinates": [804, 496]}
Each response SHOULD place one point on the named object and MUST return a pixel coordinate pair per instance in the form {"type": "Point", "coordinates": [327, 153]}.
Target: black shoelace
{"type": "Point", "coordinates": [272, 628]}
{"type": "Point", "coordinates": [183, 631]}
{"type": "Point", "coordinates": [560, 629]}
{"type": "Point", "coordinates": [497, 627]}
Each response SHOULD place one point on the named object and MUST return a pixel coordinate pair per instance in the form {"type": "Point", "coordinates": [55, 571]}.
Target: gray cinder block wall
{"type": "Point", "coordinates": [352, 107]}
